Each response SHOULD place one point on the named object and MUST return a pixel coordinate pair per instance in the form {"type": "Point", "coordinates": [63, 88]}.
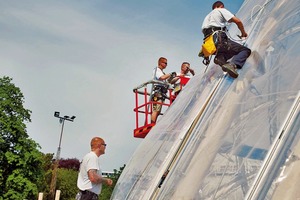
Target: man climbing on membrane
{"type": "Point", "coordinates": [216, 20]}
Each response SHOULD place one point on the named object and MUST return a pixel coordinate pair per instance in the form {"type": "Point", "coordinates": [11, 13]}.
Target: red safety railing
{"type": "Point", "coordinates": [144, 105]}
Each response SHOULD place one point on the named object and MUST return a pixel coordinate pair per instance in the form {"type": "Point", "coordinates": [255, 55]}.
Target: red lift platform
{"type": "Point", "coordinates": [143, 105]}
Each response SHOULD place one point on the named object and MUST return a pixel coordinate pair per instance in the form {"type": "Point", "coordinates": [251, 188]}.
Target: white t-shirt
{"type": "Point", "coordinates": [217, 17]}
{"type": "Point", "coordinates": [157, 73]}
{"type": "Point", "coordinates": [89, 161]}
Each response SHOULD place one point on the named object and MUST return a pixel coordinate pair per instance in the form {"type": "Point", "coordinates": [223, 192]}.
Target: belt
{"type": "Point", "coordinates": [210, 30]}
{"type": "Point", "coordinates": [161, 88]}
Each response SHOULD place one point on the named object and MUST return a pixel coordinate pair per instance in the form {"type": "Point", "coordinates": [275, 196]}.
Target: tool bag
{"type": "Point", "coordinates": [209, 45]}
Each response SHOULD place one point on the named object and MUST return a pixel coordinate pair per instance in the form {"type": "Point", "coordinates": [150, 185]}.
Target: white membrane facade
{"type": "Point", "coordinates": [227, 138]}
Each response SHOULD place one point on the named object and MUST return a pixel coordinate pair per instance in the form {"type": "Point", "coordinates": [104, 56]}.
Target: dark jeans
{"type": "Point", "coordinates": [226, 49]}
{"type": "Point", "coordinates": [87, 195]}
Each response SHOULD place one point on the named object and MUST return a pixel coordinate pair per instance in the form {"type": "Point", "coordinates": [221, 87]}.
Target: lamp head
{"type": "Point", "coordinates": [56, 114]}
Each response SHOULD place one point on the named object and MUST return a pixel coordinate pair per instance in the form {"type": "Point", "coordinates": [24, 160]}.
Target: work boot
{"type": "Point", "coordinates": [230, 69]}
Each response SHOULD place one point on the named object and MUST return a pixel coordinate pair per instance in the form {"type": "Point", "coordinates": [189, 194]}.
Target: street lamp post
{"type": "Point", "coordinates": [56, 162]}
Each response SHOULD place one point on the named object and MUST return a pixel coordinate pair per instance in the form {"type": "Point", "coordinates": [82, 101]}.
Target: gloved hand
{"type": "Point", "coordinates": [173, 75]}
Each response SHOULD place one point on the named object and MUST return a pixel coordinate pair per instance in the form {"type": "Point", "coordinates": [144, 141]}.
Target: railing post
{"type": "Point", "coordinates": [136, 109]}
{"type": "Point", "coordinates": [146, 105]}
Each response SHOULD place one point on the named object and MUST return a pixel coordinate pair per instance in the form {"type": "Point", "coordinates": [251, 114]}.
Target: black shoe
{"type": "Point", "coordinates": [230, 69]}
{"type": "Point", "coordinates": [239, 67]}
{"type": "Point", "coordinates": [224, 69]}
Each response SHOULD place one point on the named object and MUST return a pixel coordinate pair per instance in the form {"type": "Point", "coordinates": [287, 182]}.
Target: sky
{"type": "Point", "coordinates": [83, 58]}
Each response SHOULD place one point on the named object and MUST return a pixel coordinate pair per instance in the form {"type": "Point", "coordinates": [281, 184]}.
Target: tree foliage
{"type": "Point", "coordinates": [70, 163]}
{"type": "Point", "coordinates": [67, 183]}
{"type": "Point", "coordinates": [47, 170]}
{"type": "Point", "coordinates": [66, 178]}
{"type": "Point", "coordinates": [20, 158]}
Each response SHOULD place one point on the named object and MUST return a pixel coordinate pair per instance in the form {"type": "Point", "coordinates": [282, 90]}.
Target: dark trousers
{"type": "Point", "coordinates": [227, 49]}
{"type": "Point", "coordinates": [87, 195]}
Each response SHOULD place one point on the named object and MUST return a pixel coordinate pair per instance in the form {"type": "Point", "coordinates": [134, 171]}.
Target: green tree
{"type": "Point", "coordinates": [67, 183]}
{"type": "Point", "coordinates": [20, 159]}
{"type": "Point", "coordinates": [47, 169]}
{"type": "Point", "coordinates": [70, 163]}
{"type": "Point", "coordinates": [66, 178]}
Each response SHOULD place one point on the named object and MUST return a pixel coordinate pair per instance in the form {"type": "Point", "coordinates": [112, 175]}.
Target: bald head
{"type": "Point", "coordinates": [95, 142]}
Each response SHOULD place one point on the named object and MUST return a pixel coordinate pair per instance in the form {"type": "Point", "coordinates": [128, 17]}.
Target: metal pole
{"type": "Point", "coordinates": [60, 138]}
{"type": "Point", "coordinates": [54, 172]}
